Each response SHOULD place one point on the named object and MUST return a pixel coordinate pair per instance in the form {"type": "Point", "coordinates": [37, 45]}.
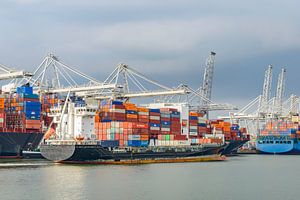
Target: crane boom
{"type": "Point", "coordinates": [263, 104]}
{"type": "Point", "coordinates": [81, 89]}
{"type": "Point", "coordinates": [280, 92]}
{"type": "Point", "coordinates": [143, 94]}
{"type": "Point", "coordinates": [208, 76]}
{"type": "Point", "coordinates": [11, 74]}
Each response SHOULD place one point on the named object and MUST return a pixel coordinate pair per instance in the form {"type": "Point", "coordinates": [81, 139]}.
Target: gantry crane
{"type": "Point", "coordinates": [53, 76]}
{"type": "Point", "coordinates": [8, 73]}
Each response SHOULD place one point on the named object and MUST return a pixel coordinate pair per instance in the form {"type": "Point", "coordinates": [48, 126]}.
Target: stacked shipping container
{"type": "Point", "coordinates": [280, 127]}
{"type": "Point", "coordinates": [230, 131]}
{"type": "Point", "coordinates": [21, 111]}
{"type": "Point", "coordinates": [125, 124]}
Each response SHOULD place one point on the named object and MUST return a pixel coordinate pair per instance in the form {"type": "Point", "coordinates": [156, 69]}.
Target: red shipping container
{"type": "Point", "coordinates": [165, 119]}
{"type": "Point", "coordinates": [175, 120]}
{"type": "Point", "coordinates": [179, 137]}
{"type": "Point", "coordinates": [143, 120]}
{"type": "Point", "coordinates": [154, 121]}
{"type": "Point", "coordinates": [191, 123]}
{"type": "Point", "coordinates": [132, 119]}
{"type": "Point", "coordinates": [154, 114]}
{"type": "Point", "coordinates": [140, 125]}
{"type": "Point", "coordinates": [143, 117]}
{"type": "Point", "coordinates": [118, 106]}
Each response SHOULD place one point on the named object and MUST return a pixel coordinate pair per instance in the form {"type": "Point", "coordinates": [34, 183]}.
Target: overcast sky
{"type": "Point", "coordinates": [167, 40]}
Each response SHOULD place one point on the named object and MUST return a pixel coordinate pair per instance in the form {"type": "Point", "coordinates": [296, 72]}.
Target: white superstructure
{"type": "Point", "coordinates": [74, 122]}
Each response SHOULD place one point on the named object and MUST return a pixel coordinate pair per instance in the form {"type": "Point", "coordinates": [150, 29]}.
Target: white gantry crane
{"type": "Point", "coordinates": [8, 73]}
{"type": "Point", "coordinates": [264, 99]}
{"type": "Point", "coordinates": [200, 99]}
{"type": "Point", "coordinates": [207, 84]}
{"type": "Point", "coordinates": [264, 108]}
{"type": "Point", "coordinates": [278, 99]}
{"type": "Point", "coordinates": [129, 83]}
{"type": "Point", "coordinates": [53, 76]}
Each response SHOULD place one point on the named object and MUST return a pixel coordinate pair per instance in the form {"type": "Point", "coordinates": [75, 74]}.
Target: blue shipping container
{"type": "Point", "coordinates": [144, 143]}
{"type": "Point", "coordinates": [154, 125]}
{"type": "Point", "coordinates": [110, 143]}
{"type": "Point", "coordinates": [31, 96]}
{"type": "Point", "coordinates": [24, 90]}
{"type": "Point", "coordinates": [193, 118]}
{"type": "Point", "coordinates": [175, 113]}
{"type": "Point", "coordinates": [165, 123]}
{"type": "Point", "coordinates": [131, 112]}
{"type": "Point", "coordinates": [202, 124]}
{"type": "Point", "coordinates": [154, 110]}
{"type": "Point", "coordinates": [134, 143]}
{"type": "Point", "coordinates": [117, 103]}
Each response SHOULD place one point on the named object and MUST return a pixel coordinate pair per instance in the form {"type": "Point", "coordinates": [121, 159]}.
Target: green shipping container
{"type": "Point", "coordinates": [167, 137]}
{"type": "Point", "coordinates": [112, 136]}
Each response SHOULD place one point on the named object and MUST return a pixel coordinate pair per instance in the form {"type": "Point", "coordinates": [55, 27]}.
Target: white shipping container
{"type": "Point", "coordinates": [181, 142]}
{"type": "Point", "coordinates": [154, 128]}
{"type": "Point", "coordinates": [155, 117]}
{"type": "Point", "coordinates": [143, 113]}
{"type": "Point", "coordinates": [193, 127]}
{"type": "Point", "coordinates": [117, 111]}
{"type": "Point", "coordinates": [193, 133]}
{"type": "Point", "coordinates": [134, 137]}
{"type": "Point", "coordinates": [165, 129]}
{"type": "Point", "coordinates": [201, 121]}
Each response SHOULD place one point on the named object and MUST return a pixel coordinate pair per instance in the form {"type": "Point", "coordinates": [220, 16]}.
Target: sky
{"type": "Point", "coordinates": [167, 40]}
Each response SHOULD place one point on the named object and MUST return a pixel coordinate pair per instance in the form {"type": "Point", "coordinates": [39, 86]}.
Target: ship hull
{"type": "Point", "coordinates": [278, 145]}
{"type": "Point", "coordinates": [233, 146]}
{"type": "Point", "coordinates": [100, 155]}
{"type": "Point", "coordinates": [13, 143]}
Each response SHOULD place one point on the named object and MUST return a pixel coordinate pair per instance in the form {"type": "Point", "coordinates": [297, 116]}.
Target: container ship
{"type": "Point", "coordinates": [234, 135]}
{"type": "Point", "coordinates": [279, 137]}
{"type": "Point", "coordinates": [20, 122]}
{"type": "Point", "coordinates": [115, 132]}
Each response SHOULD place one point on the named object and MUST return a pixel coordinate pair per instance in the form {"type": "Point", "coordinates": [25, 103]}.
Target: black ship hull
{"type": "Point", "coordinates": [93, 153]}
{"type": "Point", "coordinates": [233, 146]}
{"type": "Point", "coordinates": [13, 143]}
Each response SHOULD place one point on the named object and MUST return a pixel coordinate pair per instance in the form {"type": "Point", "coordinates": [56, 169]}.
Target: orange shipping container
{"type": "Point", "coordinates": [131, 116]}
{"type": "Point", "coordinates": [32, 126]}
{"type": "Point", "coordinates": [143, 109]}
{"type": "Point", "coordinates": [195, 114]}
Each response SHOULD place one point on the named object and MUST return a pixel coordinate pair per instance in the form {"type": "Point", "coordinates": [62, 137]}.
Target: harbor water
{"type": "Point", "coordinates": [245, 177]}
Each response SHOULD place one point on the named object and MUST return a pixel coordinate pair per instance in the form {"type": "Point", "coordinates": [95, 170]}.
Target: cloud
{"type": "Point", "coordinates": [28, 1]}
{"type": "Point", "coordinates": [168, 40]}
